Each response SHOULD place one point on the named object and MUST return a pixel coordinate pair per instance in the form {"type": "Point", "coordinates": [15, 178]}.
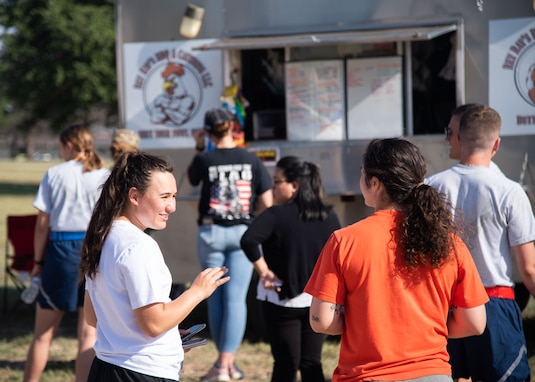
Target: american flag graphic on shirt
{"type": "Point", "coordinates": [230, 194]}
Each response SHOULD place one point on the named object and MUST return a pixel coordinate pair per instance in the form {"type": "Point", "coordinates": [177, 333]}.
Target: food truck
{"type": "Point", "coordinates": [319, 79]}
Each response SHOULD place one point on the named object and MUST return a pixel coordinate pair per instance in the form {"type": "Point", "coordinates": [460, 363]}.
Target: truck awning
{"type": "Point", "coordinates": [332, 38]}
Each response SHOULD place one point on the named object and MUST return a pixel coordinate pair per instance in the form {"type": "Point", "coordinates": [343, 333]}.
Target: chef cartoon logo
{"type": "Point", "coordinates": [520, 59]}
{"type": "Point", "coordinates": [525, 75]}
{"type": "Point", "coordinates": [172, 84]}
{"type": "Point", "coordinates": [171, 94]}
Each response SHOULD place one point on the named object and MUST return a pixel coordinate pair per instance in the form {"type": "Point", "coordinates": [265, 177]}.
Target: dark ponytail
{"type": "Point", "coordinates": [310, 195]}
{"type": "Point", "coordinates": [425, 230]}
{"type": "Point", "coordinates": [131, 170]}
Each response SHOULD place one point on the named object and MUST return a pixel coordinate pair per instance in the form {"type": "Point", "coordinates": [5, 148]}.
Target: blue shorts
{"type": "Point", "coordinates": [60, 279]}
{"type": "Point", "coordinates": [500, 353]}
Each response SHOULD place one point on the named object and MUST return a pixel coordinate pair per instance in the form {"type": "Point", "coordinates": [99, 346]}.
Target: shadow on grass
{"type": "Point", "coordinates": [67, 366]}
{"type": "Point", "coordinates": [15, 313]}
{"type": "Point", "coordinates": [18, 318]}
{"type": "Point", "coordinates": [18, 188]}
{"type": "Point", "coordinates": [529, 333]}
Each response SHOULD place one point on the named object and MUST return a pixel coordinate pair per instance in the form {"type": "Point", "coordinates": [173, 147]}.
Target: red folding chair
{"type": "Point", "coordinates": [19, 254]}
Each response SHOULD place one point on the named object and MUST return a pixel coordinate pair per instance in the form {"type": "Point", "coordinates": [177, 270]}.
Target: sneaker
{"type": "Point", "coordinates": [216, 374]}
{"type": "Point", "coordinates": [235, 372]}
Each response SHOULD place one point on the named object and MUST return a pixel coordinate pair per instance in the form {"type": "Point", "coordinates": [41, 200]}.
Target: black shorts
{"type": "Point", "coordinates": [106, 372]}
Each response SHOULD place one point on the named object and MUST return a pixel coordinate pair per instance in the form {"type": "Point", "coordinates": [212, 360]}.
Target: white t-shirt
{"type": "Point", "coordinates": [131, 274]}
{"type": "Point", "coordinates": [68, 195]}
{"type": "Point", "coordinates": [495, 213]}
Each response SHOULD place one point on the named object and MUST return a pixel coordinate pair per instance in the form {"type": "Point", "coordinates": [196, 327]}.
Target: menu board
{"type": "Point", "coordinates": [315, 100]}
{"type": "Point", "coordinates": [374, 98]}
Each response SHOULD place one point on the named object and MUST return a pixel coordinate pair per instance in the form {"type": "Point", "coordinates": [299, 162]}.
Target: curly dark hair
{"type": "Point", "coordinates": [425, 230]}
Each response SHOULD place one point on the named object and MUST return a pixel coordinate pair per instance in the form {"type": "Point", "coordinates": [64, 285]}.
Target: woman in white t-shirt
{"type": "Point", "coordinates": [127, 281]}
{"type": "Point", "coordinates": [65, 200]}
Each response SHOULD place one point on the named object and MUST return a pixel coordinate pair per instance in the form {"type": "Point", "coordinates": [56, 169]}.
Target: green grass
{"type": "Point", "coordinates": [16, 333]}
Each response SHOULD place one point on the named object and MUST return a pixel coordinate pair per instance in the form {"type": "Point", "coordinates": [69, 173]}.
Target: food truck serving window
{"type": "Point", "coordinates": [336, 86]}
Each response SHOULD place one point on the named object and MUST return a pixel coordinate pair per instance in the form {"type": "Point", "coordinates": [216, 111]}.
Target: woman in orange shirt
{"type": "Point", "coordinates": [398, 283]}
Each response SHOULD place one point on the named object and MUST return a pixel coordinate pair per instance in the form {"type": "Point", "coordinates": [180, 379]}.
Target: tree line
{"type": "Point", "coordinates": [57, 63]}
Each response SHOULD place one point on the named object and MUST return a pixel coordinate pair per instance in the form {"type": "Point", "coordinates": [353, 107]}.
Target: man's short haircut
{"type": "Point", "coordinates": [479, 127]}
{"type": "Point", "coordinates": [460, 110]}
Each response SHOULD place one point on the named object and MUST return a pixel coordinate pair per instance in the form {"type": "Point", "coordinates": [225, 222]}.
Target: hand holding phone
{"type": "Point", "coordinates": [194, 342]}
{"type": "Point", "coordinates": [192, 331]}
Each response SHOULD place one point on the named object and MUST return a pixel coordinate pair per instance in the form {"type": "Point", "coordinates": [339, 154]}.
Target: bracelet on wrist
{"type": "Point", "coordinates": [38, 262]}
{"type": "Point", "coordinates": [199, 148]}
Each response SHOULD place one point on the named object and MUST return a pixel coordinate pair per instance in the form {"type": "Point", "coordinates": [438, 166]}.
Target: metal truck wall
{"type": "Point", "coordinates": [158, 20]}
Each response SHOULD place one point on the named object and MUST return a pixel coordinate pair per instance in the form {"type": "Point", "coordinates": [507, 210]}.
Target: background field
{"type": "Point", "coordinates": [18, 183]}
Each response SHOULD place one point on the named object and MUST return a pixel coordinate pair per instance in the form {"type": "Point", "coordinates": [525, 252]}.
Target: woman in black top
{"type": "Point", "coordinates": [284, 243]}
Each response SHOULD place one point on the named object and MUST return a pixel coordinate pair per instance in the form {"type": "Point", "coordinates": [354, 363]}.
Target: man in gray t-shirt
{"type": "Point", "coordinates": [498, 224]}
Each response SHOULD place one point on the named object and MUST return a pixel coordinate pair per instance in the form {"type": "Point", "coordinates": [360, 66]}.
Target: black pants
{"type": "Point", "coordinates": [106, 372]}
{"type": "Point", "coordinates": [294, 345]}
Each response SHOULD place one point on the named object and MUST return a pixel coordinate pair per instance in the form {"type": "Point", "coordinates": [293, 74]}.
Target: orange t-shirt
{"type": "Point", "coordinates": [395, 319]}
